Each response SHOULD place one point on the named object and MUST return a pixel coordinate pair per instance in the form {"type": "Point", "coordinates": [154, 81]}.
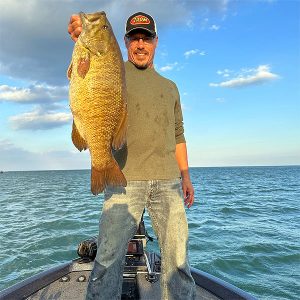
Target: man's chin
{"type": "Point", "coordinates": [141, 65]}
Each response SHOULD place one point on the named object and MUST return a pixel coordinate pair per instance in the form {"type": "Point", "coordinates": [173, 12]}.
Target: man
{"type": "Point", "coordinates": [153, 160]}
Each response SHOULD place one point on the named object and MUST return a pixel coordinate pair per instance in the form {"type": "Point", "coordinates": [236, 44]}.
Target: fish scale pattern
{"type": "Point", "coordinates": [98, 97]}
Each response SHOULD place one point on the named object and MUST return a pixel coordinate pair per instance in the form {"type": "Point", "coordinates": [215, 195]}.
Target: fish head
{"type": "Point", "coordinates": [97, 34]}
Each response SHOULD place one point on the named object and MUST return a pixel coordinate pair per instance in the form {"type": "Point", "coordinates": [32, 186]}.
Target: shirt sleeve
{"type": "Point", "coordinates": [179, 129]}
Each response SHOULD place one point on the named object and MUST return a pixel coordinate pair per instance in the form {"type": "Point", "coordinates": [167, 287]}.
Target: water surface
{"type": "Point", "coordinates": [244, 225]}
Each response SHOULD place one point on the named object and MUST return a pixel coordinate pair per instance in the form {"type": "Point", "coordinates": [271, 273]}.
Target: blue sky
{"type": "Point", "coordinates": [236, 64]}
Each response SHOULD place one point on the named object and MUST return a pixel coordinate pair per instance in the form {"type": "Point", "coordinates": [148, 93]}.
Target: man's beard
{"type": "Point", "coordinates": [142, 67]}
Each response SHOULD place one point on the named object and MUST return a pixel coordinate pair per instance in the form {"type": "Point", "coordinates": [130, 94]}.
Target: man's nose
{"type": "Point", "coordinates": [141, 43]}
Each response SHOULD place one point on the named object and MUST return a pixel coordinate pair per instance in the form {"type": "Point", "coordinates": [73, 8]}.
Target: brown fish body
{"type": "Point", "coordinates": [98, 99]}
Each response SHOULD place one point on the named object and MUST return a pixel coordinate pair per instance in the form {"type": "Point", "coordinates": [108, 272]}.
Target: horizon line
{"type": "Point", "coordinates": [226, 166]}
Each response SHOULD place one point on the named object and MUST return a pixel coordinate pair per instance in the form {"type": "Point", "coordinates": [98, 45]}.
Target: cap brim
{"type": "Point", "coordinates": [153, 33]}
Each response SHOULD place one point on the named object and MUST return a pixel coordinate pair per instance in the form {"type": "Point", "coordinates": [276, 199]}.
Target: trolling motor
{"type": "Point", "coordinates": [138, 262]}
{"type": "Point", "coordinates": [87, 249]}
{"type": "Point", "coordinates": [137, 259]}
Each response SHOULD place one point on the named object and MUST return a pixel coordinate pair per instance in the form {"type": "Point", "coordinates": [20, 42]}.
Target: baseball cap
{"type": "Point", "coordinates": [141, 21]}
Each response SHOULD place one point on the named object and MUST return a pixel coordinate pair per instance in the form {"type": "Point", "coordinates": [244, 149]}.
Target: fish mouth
{"type": "Point", "coordinates": [89, 25]}
{"type": "Point", "coordinates": [94, 16]}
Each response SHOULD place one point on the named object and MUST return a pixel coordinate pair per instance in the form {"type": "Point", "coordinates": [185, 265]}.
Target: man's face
{"type": "Point", "coordinates": [141, 49]}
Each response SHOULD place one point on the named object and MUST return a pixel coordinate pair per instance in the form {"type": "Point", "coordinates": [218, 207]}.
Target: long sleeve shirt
{"type": "Point", "coordinates": [155, 126]}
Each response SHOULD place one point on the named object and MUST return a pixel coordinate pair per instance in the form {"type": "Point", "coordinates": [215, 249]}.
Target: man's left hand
{"type": "Point", "coordinates": [188, 192]}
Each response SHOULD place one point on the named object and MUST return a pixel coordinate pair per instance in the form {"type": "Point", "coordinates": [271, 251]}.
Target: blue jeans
{"type": "Point", "coordinates": [121, 214]}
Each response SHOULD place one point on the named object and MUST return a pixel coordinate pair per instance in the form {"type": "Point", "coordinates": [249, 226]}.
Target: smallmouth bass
{"type": "Point", "coordinates": [98, 101]}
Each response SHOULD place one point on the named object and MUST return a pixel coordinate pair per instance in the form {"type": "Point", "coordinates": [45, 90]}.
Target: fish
{"type": "Point", "coordinates": [98, 99]}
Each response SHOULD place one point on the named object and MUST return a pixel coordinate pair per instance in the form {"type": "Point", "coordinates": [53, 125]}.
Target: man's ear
{"type": "Point", "coordinates": [156, 41]}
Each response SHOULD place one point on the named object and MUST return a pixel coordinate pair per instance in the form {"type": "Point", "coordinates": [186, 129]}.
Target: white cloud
{"type": "Point", "coordinates": [34, 94]}
{"type": "Point", "coordinates": [190, 23]}
{"type": "Point", "coordinates": [214, 27]}
{"type": "Point", "coordinates": [189, 53]}
{"type": "Point", "coordinates": [247, 77]}
{"type": "Point", "coordinates": [168, 67]}
{"type": "Point", "coordinates": [15, 94]}
{"type": "Point", "coordinates": [222, 72]}
{"type": "Point", "coordinates": [225, 73]}
{"type": "Point", "coordinates": [39, 120]}
{"type": "Point", "coordinates": [16, 158]}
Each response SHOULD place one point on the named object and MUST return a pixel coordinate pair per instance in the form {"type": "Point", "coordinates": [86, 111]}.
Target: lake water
{"type": "Point", "coordinates": [244, 225]}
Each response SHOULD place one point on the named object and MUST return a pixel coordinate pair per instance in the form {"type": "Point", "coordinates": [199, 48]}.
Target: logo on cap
{"type": "Point", "coordinates": [139, 20]}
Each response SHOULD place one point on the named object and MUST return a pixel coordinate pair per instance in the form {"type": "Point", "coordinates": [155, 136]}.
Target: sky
{"type": "Point", "coordinates": [236, 65]}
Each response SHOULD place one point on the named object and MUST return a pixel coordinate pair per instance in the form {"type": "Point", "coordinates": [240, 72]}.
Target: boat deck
{"type": "Point", "coordinates": [73, 286]}
{"type": "Point", "coordinates": [140, 278]}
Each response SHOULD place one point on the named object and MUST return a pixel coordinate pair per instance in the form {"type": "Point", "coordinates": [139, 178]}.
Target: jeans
{"type": "Point", "coordinates": [121, 214]}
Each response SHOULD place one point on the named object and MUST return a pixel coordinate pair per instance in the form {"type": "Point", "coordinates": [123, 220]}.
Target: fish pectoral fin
{"type": "Point", "coordinates": [83, 65]}
{"type": "Point", "coordinates": [109, 176]}
{"type": "Point", "coordinates": [119, 137]}
{"type": "Point", "coordinates": [78, 141]}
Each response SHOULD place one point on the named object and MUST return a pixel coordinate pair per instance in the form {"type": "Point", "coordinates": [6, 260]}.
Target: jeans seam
{"type": "Point", "coordinates": [163, 258]}
{"type": "Point", "coordinates": [124, 259]}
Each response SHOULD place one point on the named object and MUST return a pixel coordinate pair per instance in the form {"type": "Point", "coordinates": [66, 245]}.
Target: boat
{"type": "Point", "coordinates": [141, 275]}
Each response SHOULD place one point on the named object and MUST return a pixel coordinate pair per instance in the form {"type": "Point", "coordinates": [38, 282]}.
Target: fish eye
{"type": "Point", "coordinates": [105, 27]}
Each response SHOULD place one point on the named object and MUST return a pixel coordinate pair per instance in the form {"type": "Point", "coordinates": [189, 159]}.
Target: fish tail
{"type": "Point", "coordinates": [97, 181]}
{"type": "Point", "coordinates": [110, 176]}
{"type": "Point", "coordinates": [114, 175]}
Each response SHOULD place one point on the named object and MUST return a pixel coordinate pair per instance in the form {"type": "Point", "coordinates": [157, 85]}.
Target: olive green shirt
{"type": "Point", "coordinates": [155, 126]}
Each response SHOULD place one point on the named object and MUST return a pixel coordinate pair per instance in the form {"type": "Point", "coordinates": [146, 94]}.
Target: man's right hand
{"type": "Point", "coordinates": [75, 27]}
